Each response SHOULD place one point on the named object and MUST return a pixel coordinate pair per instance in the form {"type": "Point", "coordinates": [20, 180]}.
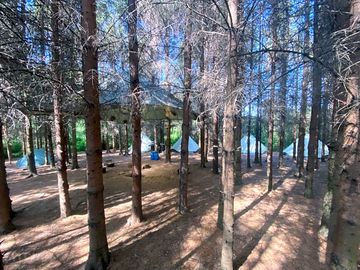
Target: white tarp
{"type": "Point", "coordinates": [193, 146]}
{"type": "Point", "coordinates": [289, 150]}
{"type": "Point", "coordinates": [244, 143]}
{"type": "Point", "coordinates": [146, 143]}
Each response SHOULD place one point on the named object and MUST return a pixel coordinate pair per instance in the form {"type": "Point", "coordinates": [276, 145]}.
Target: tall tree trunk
{"type": "Point", "coordinates": [126, 139]}
{"type": "Point", "coordinates": [296, 114]}
{"type": "Point", "coordinates": [75, 163]}
{"type": "Point", "coordinates": [156, 148]}
{"type": "Point", "coordinates": [202, 105]}
{"type": "Point", "coordinates": [121, 147]}
{"type": "Point", "coordinates": [99, 256]}
{"type": "Point", "coordinates": [248, 161]}
{"type": "Point", "coordinates": [51, 147]}
{"type": "Point", "coordinates": [60, 141]}
{"type": "Point", "coordinates": [237, 142]}
{"type": "Point", "coordinates": [184, 161]}
{"type": "Point", "coordinates": [215, 138]}
{"type": "Point", "coordinates": [207, 142]}
{"type": "Point", "coordinates": [136, 210]}
{"type": "Point", "coordinates": [5, 201]}
{"type": "Point", "coordinates": [168, 142]}
{"type": "Point", "coordinates": [30, 155]}
{"type": "Point", "coordinates": [23, 137]}
{"type": "Point", "coordinates": [304, 90]}
{"type": "Point", "coordinates": [228, 160]}
{"type": "Point", "coordinates": [284, 33]}
{"type": "Point", "coordinates": [47, 160]}
{"type": "Point", "coordinates": [345, 238]}
{"type": "Point", "coordinates": [315, 110]}
{"type": "Point", "coordinates": [8, 143]}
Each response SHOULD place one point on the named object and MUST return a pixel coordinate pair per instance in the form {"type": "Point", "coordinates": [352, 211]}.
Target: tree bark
{"type": "Point", "coordinates": [248, 161]}
{"type": "Point", "coordinates": [304, 90]}
{"type": "Point", "coordinates": [60, 141]}
{"type": "Point", "coordinates": [121, 150]}
{"type": "Point", "coordinates": [168, 142]}
{"type": "Point", "coordinates": [126, 139]}
{"type": "Point", "coordinates": [8, 143]}
{"type": "Point", "coordinates": [284, 32]}
{"type": "Point", "coordinates": [99, 256]}
{"type": "Point", "coordinates": [47, 160]}
{"type": "Point", "coordinates": [184, 160]}
{"type": "Point", "coordinates": [228, 160]}
{"type": "Point", "coordinates": [6, 225]}
{"type": "Point", "coordinates": [345, 238]}
{"type": "Point", "coordinates": [215, 134]}
{"type": "Point", "coordinates": [75, 163]}
{"type": "Point", "coordinates": [30, 156]}
{"type": "Point", "coordinates": [136, 210]}
{"type": "Point", "coordinates": [51, 147]}
{"type": "Point", "coordinates": [315, 110]}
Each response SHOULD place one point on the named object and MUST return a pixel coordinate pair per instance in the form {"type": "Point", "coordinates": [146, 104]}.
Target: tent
{"type": "Point", "coordinates": [146, 144]}
{"type": "Point", "coordinates": [39, 159]}
{"type": "Point", "coordinates": [289, 150]}
{"type": "Point", "coordinates": [244, 142]}
{"type": "Point", "coordinates": [193, 146]}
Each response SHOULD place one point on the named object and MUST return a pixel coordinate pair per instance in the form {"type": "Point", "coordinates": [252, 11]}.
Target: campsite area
{"type": "Point", "coordinates": [269, 228]}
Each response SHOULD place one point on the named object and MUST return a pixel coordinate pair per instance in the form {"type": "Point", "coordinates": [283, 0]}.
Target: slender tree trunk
{"type": "Point", "coordinates": [315, 110]}
{"type": "Point", "coordinates": [23, 137]}
{"type": "Point", "coordinates": [6, 225]}
{"type": "Point", "coordinates": [136, 210]}
{"type": "Point", "coordinates": [202, 105]}
{"type": "Point", "coordinates": [126, 139]}
{"type": "Point", "coordinates": [296, 114]}
{"type": "Point", "coordinates": [75, 163]}
{"type": "Point", "coordinates": [345, 238]}
{"type": "Point", "coordinates": [156, 148]}
{"type": "Point", "coordinates": [228, 160]}
{"type": "Point", "coordinates": [121, 147]}
{"type": "Point", "coordinates": [215, 134]}
{"type": "Point", "coordinates": [238, 150]}
{"type": "Point", "coordinates": [51, 147]}
{"type": "Point", "coordinates": [47, 160]}
{"type": "Point", "coordinates": [99, 256]}
{"type": "Point", "coordinates": [8, 143]}
{"type": "Point", "coordinates": [248, 161]}
{"type": "Point", "coordinates": [207, 142]}
{"type": "Point", "coordinates": [168, 142]}
{"type": "Point", "coordinates": [304, 90]}
{"type": "Point", "coordinates": [184, 161]}
{"type": "Point", "coordinates": [284, 33]}
{"type": "Point", "coordinates": [30, 146]}
{"type": "Point", "coordinates": [63, 186]}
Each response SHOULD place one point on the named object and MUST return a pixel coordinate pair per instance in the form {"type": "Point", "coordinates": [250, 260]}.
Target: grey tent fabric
{"type": "Point", "coordinates": [192, 148]}
{"type": "Point", "coordinates": [157, 103]}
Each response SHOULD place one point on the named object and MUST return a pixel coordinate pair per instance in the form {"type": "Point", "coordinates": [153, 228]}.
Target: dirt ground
{"type": "Point", "coordinates": [276, 230]}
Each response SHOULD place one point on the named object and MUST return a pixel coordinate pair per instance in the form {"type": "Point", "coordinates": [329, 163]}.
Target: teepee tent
{"type": "Point", "coordinates": [289, 150]}
{"type": "Point", "coordinates": [193, 146]}
{"type": "Point", "coordinates": [39, 155]}
{"type": "Point", "coordinates": [146, 143]}
{"type": "Point", "coordinates": [244, 143]}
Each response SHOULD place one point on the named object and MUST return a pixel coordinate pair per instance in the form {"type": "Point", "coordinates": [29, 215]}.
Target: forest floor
{"type": "Point", "coordinates": [276, 230]}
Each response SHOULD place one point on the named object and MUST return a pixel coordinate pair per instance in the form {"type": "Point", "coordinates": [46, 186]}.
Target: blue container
{"type": "Point", "coordinates": [154, 155]}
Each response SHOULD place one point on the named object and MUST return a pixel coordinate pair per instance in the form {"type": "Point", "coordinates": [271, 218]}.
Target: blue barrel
{"type": "Point", "coordinates": [154, 155]}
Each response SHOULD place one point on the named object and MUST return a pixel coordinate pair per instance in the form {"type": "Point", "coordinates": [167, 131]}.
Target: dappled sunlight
{"type": "Point", "coordinates": [277, 228]}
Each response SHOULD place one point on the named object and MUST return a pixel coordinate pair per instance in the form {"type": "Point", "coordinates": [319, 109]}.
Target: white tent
{"type": "Point", "coordinates": [145, 144]}
{"type": "Point", "coordinates": [244, 144]}
{"type": "Point", "coordinates": [289, 150]}
{"type": "Point", "coordinates": [193, 146]}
